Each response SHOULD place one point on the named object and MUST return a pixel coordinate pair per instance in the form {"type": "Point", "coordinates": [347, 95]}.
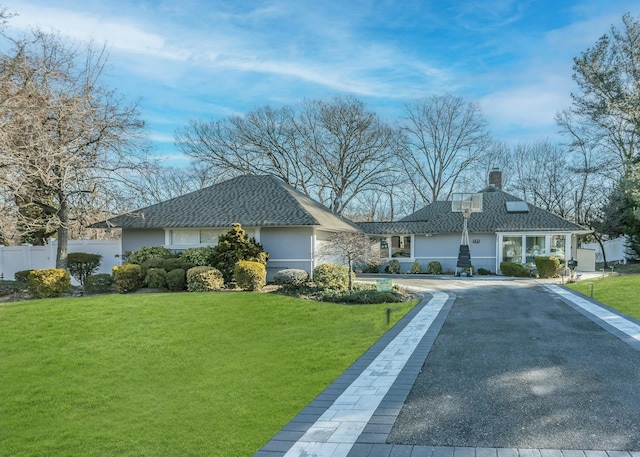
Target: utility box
{"type": "Point", "coordinates": [586, 259]}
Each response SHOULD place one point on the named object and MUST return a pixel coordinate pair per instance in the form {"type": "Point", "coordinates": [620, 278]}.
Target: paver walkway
{"type": "Point", "coordinates": [355, 415]}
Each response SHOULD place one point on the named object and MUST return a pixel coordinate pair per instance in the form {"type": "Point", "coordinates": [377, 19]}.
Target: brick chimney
{"type": "Point", "coordinates": [495, 178]}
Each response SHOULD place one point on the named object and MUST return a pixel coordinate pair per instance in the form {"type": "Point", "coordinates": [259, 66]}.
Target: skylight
{"type": "Point", "coordinates": [517, 207]}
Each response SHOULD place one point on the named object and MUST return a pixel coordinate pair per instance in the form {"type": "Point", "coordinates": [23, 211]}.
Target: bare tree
{"type": "Point", "coordinates": [352, 247]}
{"type": "Point", "coordinates": [444, 137]}
{"type": "Point", "coordinates": [331, 151]}
{"type": "Point", "coordinates": [64, 134]}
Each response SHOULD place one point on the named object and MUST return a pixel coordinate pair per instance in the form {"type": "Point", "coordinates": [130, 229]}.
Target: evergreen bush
{"type": "Point", "coordinates": [291, 277]}
{"type": "Point", "coordinates": [250, 275]}
{"type": "Point", "coordinates": [127, 277]}
{"type": "Point", "coordinates": [197, 257]}
{"type": "Point", "coordinates": [98, 284]}
{"type": "Point", "coordinates": [416, 268]}
{"type": "Point", "coordinates": [156, 278]}
{"type": "Point", "coordinates": [434, 268]}
{"type": "Point", "coordinates": [176, 280]}
{"type": "Point", "coordinates": [547, 266]}
{"type": "Point", "coordinates": [22, 276]}
{"type": "Point", "coordinates": [147, 252]}
{"type": "Point", "coordinates": [49, 283]}
{"type": "Point", "coordinates": [483, 272]}
{"type": "Point", "coordinates": [234, 246]}
{"type": "Point", "coordinates": [204, 279]}
{"type": "Point", "coordinates": [331, 276]}
{"type": "Point", "coordinates": [514, 269]}
{"type": "Point", "coordinates": [167, 264]}
{"type": "Point", "coordinates": [82, 264]}
{"type": "Point", "coordinates": [393, 266]}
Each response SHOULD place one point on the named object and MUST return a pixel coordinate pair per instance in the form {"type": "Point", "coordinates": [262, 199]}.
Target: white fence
{"type": "Point", "coordinates": [615, 250]}
{"type": "Point", "coordinates": [27, 257]}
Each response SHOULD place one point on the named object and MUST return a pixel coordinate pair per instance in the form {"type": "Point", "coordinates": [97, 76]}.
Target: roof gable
{"type": "Point", "coordinates": [253, 201]}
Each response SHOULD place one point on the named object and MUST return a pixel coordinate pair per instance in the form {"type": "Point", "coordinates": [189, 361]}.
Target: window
{"type": "Point", "coordinates": [558, 246]}
{"type": "Point", "coordinates": [512, 249]}
{"type": "Point", "coordinates": [198, 237]}
{"type": "Point", "coordinates": [401, 246]}
{"type": "Point", "coordinates": [397, 246]}
{"type": "Point", "coordinates": [536, 246]}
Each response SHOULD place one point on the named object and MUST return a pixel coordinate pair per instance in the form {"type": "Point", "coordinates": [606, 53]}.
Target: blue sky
{"type": "Point", "coordinates": [208, 59]}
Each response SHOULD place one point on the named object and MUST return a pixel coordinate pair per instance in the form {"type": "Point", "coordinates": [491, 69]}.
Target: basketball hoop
{"type": "Point", "coordinates": [465, 204]}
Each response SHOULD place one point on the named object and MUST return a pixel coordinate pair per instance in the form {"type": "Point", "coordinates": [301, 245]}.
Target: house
{"type": "Point", "coordinates": [506, 229]}
{"type": "Point", "coordinates": [291, 226]}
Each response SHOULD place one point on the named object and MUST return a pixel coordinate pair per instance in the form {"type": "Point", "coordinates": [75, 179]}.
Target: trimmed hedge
{"type": "Point", "coordinates": [514, 269]}
{"type": "Point", "coordinates": [98, 284]}
{"type": "Point", "coordinates": [250, 275]}
{"type": "Point", "coordinates": [176, 280]}
{"type": "Point", "coordinates": [434, 268]}
{"type": "Point", "coordinates": [331, 276]}
{"type": "Point", "coordinates": [49, 283]}
{"type": "Point", "coordinates": [22, 276]}
{"type": "Point", "coordinates": [393, 266]}
{"type": "Point", "coordinates": [416, 268]}
{"type": "Point", "coordinates": [547, 266]}
{"type": "Point", "coordinates": [147, 252]}
{"type": "Point", "coordinates": [198, 257]}
{"type": "Point", "coordinates": [127, 277]}
{"type": "Point", "coordinates": [291, 277]}
{"type": "Point", "coordinates": [167, 264]}
{"type": "Point", "coordinates": [83, 264]}
{"type": "Point", "coordinates": [156, 278]}
{"type": "Point", "coordinates": [204, 279]}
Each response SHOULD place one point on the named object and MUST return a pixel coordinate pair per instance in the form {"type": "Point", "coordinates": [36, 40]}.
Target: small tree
{"type": "Point", "coordinates": [234, 246]}
{"type": "Point", "coordinates": [353, 247]}
{"type": "Point", "coordinates": [82, 265]}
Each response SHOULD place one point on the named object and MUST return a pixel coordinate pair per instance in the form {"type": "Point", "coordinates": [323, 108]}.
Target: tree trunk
{"type": "Point", "coordinates": [63, 235]}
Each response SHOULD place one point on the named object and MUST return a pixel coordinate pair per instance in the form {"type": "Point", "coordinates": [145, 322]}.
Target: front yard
{"type": "Point", "coordinates": [188, 374]}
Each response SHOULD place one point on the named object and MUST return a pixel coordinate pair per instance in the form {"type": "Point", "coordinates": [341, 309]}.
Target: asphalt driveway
{"type": "Point", "coordinates": [515, 367]}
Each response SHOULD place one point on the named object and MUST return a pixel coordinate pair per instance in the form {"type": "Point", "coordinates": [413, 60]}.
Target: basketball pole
{"type": "Point", "coordinates": [464, 254]}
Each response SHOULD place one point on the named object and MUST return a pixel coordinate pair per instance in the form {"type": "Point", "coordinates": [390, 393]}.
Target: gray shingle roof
{"type": "Point", "coordinates": [398, 227]}
{"type": "Point", "coordinates": [437, 217]}
{"type": "Point", "coordinates": [253, 201]}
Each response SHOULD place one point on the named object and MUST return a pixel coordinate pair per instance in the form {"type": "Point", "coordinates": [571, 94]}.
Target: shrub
{"type": "Point", "coordinates": [167, 264]}
{"type": "Point", "coordinates": [234, 246]}
{"type": "Point", "coordinates": [82, 264]}
{"type": "Point", "coordinates": [373, 268]}
{"type": "Point", "coordinates": [361, 297]}
{"type": "Point", "coordinates": [145, 253]}
{"type": "Point", "coordinates": [197, 257]}
{"type": "Point", "coordinates": [434, 268]}
{"type": "Point", "coordinates": [394, 266]}
{"type": "Point", "coordinates": [416, 268]}
{"type": "Point", "coordinates": [97, 284]}
{"type": "Point", "coordinates": [127, 277]}
{"type": "Point", "coordinates": [22, 276]}
{"type": "Point", "coordinates": [10, 287]}
{"type": "Point", "coordinates": [156, 278]}
{"type": "Point", "coordinates": [547, 266]}
{"type": "Point", "coordinates": [250, 275]}
{"type": "Point", "coordinates": [204, 279]}
{"type": "Point", "coordinates": [49, 283]}
{"type": "Point", "coordinates": [513, 269]}
{"type": "Point", "coordinates": [483, 272]}
{"type": "Point", "coordinates": [331, 276]}
{"type": "Point", "coordinates": [176, 280]}
{"type": "Point", "coordinates": [291, 277]}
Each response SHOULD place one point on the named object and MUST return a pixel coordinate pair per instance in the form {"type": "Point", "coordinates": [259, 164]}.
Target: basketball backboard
{"type": "Point", "coordinates": [464, 201]}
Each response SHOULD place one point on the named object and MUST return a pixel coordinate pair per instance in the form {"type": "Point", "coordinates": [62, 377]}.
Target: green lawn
{"type": "Point", "coordinates": [212, 374]}
{"type": "Point", "coordinates": [619, 292]}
